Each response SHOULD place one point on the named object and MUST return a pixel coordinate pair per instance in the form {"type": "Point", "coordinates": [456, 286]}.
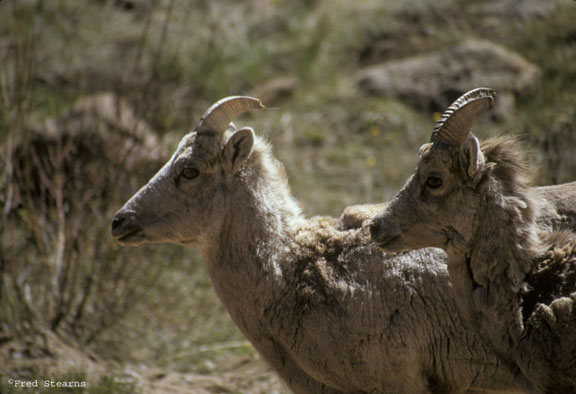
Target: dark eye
{"type": "Point", "coordinates": [433, 182]}
{"type": "Point", "coordinates": [189, 172]}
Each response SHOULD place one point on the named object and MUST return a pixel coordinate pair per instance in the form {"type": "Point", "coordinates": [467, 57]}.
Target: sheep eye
{"type": "Point", "coordinates": [189, 172]}
{"type": "Point", "coordinates": [433, 182]}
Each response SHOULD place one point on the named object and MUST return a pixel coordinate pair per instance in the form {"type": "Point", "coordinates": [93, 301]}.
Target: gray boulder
{"type": "Point", "coordinates": [432, 81]}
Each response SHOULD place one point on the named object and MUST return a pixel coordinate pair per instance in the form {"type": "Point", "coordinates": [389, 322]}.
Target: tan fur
{"type": "Point", "coordinates": [506, 283]}
{"type": "Point", "coordinates": [355, 215]}
{"type": "Point", "coordinates": [327, 310]}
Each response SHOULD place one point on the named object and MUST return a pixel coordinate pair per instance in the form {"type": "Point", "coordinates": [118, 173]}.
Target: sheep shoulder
{"type": "Point", "coordinates": [321, 269]}
{"type": "Point", "coordinates": [355, 215]}
{"type": "Point", "coordinates": [349, 296]}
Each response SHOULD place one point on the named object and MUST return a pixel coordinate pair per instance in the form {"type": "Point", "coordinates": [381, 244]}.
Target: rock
{"type": "Point", "coordinates": [276, 89]}
{"type": "Point", "coordinates": [432, 81]}
{"type": "Point", "coordinates": [112, 123]}
{"type": "Point", "coordinates": [100, 144]}
{"type": "Point", "coordinates": [557, 153]}
{"type": "Point", "coordinates": [517, 9]}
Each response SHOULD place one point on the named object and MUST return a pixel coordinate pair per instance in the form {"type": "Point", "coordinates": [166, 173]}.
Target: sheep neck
{"type": "Point", "coordinates": [489, 269]}
{"type": "Point", "coordinates": [245, 263]}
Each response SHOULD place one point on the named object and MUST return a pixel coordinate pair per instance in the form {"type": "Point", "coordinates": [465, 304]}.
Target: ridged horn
{"type": "Point", "coordinates": [224, 111]}
{"type": "Point", "coordinates": [455, 124]}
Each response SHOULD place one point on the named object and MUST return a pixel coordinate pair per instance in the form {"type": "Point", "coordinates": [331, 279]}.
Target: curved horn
{"type": "Point", "coordinates": [220, 114]}
{"type": "Point", "coordinates": [455, 124]}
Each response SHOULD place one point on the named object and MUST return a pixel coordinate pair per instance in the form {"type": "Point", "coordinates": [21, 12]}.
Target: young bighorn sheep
{"type": "Point", "coordinates": [515, 285]}
{"type": "Point", "coordinates": [327, 310]}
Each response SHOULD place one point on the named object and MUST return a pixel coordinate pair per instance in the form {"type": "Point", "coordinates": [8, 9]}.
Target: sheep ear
{"type": "Point", "coordinates": [424, 148]}
{"type": "Point", "coordinates": [472, 160]}
{"type": "Point", "coordinates": [231, 127]}
{"type": "Point", "coordinates": [238, 148]}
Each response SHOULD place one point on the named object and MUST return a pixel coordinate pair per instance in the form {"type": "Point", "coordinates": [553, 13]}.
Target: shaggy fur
{"type": "Point", "coordinates": [329, 311]}
{"type": "Point", "coordinates": [506, 282]}
{"type": "Point", "coordinates": [553, 275]}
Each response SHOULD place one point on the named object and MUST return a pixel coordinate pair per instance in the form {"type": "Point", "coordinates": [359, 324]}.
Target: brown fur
{"type": "Point", "coordinates": [545, 351]}
{"type": "Point", "coordinates": [327, 310]}
{"type": "Point", "coordinates": [507, 285]}
{"type": "Point", "coordinates": [512, 169]}
{"type": "Point", "coordinates": [553, 275]}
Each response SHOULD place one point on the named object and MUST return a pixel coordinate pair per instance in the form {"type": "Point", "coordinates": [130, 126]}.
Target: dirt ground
{"type": "Point", "coordinates": [46, 356]}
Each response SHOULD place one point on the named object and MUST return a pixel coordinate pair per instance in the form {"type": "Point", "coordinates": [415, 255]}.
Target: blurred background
{"type": "Point", "coordinates": [95, 95]}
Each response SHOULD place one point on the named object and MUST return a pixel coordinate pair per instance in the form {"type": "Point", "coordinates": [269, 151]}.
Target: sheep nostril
{"type": "Point", "coordinates": [374, 229]}
{"type": "Point", "coordinates": [117, 221]}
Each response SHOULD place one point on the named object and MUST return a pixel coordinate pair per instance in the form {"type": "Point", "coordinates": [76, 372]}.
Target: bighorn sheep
{"type": "Point", "coordinates": [325, 308]}
{"type": "Point", "coordinates": [517, 286]}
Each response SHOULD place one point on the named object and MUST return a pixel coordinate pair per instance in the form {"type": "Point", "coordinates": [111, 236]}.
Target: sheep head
{"type": "Point", "coordinates": [185, 201]}
{"type": "Point", "coordinates": [436, 206]}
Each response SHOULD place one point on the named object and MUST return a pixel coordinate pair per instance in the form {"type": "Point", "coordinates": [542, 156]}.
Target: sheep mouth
{"type": "Point", "coordinates": [386, 242]}
{"type": "Point", "coordinates": [131, 237]}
